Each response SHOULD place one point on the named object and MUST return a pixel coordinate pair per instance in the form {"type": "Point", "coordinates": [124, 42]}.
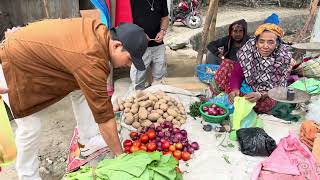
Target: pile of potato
{"type": "Point", "coordinates": [145, 108]}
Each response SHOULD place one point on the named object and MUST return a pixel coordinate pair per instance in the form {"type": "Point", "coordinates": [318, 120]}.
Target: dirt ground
{"type": "Point", "coordinates": [58, 127]}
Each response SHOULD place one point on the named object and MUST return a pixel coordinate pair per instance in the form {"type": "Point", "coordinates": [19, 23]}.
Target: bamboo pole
{"type": "Point", "coordinates": [45, 4]}
{"type": "Point", "coordinates": [307, 26]}
{"type": "Point", "coordinates": [205, 30]}
{"type": "Point", "coordinates": [311, 17]}
{"type": "Point", "coordinates": [212, 29]}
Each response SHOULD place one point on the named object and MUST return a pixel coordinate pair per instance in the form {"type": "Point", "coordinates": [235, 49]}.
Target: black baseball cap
{"type": "Point", "coordinates": [134, 40]}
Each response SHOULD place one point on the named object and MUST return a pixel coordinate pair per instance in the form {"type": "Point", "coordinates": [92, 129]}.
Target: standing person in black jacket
{"type": "Point", "coordinates": [228, 46]}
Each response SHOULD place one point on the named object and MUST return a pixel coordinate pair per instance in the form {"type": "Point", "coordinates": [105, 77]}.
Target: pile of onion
{"type": "Point", "coordinates": [213, 110]}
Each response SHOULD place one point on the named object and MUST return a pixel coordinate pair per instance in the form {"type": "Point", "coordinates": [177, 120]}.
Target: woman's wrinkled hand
{"type": "Point", "coordinates": [234, 93]}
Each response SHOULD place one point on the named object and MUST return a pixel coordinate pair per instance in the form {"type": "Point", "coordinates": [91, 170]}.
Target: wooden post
{"type": "Point", "coordinates": [212, 30]}
{"type": "Point", "coordinates": [45, 5]}
{"type": "Point", "coordinates": [311, 17]}
{"type": "Point", "coordinates": [205, 30]}
{"type": "Point", "coordinates": [306, 27]}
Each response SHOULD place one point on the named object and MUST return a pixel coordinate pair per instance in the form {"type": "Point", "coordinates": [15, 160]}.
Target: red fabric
{"type": "Point", "coordinates": [236, 77]}
{"type": "Point", "coordinates": [123, 12]}
{"type": "Point", "coordinates": [223, 74]}
{"type": "Point", "coordinates": [108, 4]}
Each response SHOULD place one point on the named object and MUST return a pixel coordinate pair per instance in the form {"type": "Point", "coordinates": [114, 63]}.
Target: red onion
{"type": "Point", "coordinates": [152, 126]}
{"type": "Point", "coordinates": [161, 134]}
{"type": "Point", "coordinates": [153, 140]}
{"type": "Point", "coordinates": [158, 139]}
{"type": "Point", "coordinates": [175, 139]}
{"type": "Point", "coordinates": [176, 130]}
{"type": "Point", "coordinates": [210, 111]}
{"type": "Point", "coordinates": [185, 149]}
{"type": "Point", "coordinates": [213, 105]}
{"type": "Point", "coordinates": [159, 148]}
{"type": "Point", "coordinates": [214, 112]}
{"type": "Point", "coordinates": [184, 132]}
{"type": "Point", "coordinates": [184, 144]}
{"type": "Point", "coordinates": [170, 125]}
{"type": "Point", "coordinates": [167, 134]}
{"type": "Point", "coordinates": [170, 130]}
{"type": "Point", "coordinates": [159, 128]}
{"type": "Point", "coordinates": [162, 125]}
{"type": "Point", "coordinates": [178, 136]}
{"type": "Point", "coordinates": [205, 108]}
{"type": "Point", "coordinates": [158, 143]}
{"type": "Point", "coordinates": [195, 145]}
{"type": "Point", "coordinates": [166, 124]}
{"type": "Point", "coordinates": [162, 140]}
{"type": "Point", "coordinates": [190, 150]}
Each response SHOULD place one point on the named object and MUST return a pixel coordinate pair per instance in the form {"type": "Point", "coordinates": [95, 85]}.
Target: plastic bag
{"type": "Point", "coordinates": [8, 148]}
{"type": "Point", "coordinates": [255, 142]}
{"type": "Point", "coordinates": [223, 98]}
{"type": "Point", "coordinates": [243, 116]}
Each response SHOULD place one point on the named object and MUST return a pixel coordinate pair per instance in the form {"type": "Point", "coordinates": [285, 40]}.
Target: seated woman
{"type": "Point", "coordinates": [264, 63]}
{"type": "Point", "coordinates": [227, 47]}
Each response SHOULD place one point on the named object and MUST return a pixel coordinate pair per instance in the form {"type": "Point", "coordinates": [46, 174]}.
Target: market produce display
{"type": "Point", "coordinates": [146, 108]}
{"type": "Point", "coordinates": [164, 138]}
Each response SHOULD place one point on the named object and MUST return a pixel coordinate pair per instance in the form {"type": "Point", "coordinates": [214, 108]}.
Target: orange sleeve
{"type": "Point", "coordinates": [92, 80]}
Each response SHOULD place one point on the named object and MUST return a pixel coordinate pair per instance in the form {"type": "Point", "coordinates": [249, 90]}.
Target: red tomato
{"type": "Point", "coordinates": [179, 146]}
{"type": "Point", "coordinates": [134, 149]}
{"type": "Point", "coordinates": [165, 145]}
{"type": "Point", "coordinates": [172, 148]}
{"type": "Point", "coordinates": [151, 146]}
{"type": "Point", "coordinates": [127, 143]}
{"type": "Point", "coordinates": [166, 153]}
{"type": "Point", "coordinates": [144, 138]}
{"type": "Point", "coordinates": [127, 149]}
{"type": "Point", "coordinates": [185, 156]}
{"type": "Point", "coordinates": [143, 147]}
{"type": "Point", "coordinates": [133, 134]}
{"type": "Point", "coordinates": [136, 143]}
{"type": "Point", "coordinates": [151, 134]}
{"type": "Point", "coordinates": [177, 154]}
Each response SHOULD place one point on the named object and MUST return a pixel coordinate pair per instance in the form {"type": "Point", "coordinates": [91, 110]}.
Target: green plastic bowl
{"type": "Point", "coordinates": [214, 119]}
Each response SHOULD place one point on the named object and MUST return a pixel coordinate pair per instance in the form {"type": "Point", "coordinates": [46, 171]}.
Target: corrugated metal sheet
{"type": "Point", "coordinates": [24, 11]}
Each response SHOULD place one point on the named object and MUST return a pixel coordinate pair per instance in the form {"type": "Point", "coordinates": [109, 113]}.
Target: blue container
{"type": "Point", "coordinates": [203, 75]}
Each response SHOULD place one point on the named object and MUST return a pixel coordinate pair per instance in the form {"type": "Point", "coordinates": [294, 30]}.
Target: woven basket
{"type": "Point", "coordinates": [310, 69]}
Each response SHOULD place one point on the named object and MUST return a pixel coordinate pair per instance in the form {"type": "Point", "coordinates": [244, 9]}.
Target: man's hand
{"type": "Point", "coordinates": [160, 36]}
{"type": "Point", "coordinates": [253, 97]}
{"type": "Point", "coordinates": [4, 90]}
{"type": "Point", "coordinates": [233, 94]}
{"type": "Point", "coordinates": [109, 133]}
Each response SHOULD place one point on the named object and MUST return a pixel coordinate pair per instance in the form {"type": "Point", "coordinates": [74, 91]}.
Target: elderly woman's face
{"type": "Point", "coordinates": [267, 43]}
